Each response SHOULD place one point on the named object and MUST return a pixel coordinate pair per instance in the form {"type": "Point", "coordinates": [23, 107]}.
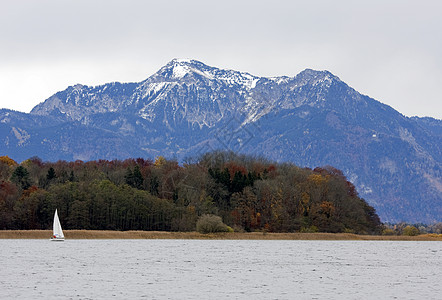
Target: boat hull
{"type": "Point", "coordinates": [57, 239]}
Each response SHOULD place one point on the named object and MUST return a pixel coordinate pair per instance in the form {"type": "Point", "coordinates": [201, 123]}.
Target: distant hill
{"type": "Point", "coordinates": [188, 108]}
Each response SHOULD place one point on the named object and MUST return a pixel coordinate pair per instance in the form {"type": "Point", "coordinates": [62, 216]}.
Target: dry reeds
{"type": "Point", "coordinates": [104, 234]}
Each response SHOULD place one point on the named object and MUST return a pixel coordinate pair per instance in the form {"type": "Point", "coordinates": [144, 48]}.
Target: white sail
{"type": "Point", "coordinates": [58, 232]}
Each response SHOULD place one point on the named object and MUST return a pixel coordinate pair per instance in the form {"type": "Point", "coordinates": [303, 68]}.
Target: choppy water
{"type": "Point", "coordinates": [196, 269]}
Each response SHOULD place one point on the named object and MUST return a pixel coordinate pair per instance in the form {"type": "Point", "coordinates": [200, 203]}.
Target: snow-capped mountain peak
{"type": "Point", "coordinates": [314, 78]}
{"type": "Point", "coordinates": [192, 90]}
{"type": "Point", "coordinates": [179, 69]}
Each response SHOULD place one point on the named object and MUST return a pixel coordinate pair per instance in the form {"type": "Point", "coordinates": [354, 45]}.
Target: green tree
{"type": "Point", "coordinates": [134, 178]}
{"type": "Point", "coordinates": [137, 178]}
{"type": "Point", "coordinates": [129, 177]}
{"type": "Point", "coordinates": [21, 177]}
{"type": "Point", "coordinates": [51, 174]}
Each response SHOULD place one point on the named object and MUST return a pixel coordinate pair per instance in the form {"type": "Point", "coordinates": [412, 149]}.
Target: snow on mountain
{"type": "Point", "coordinates": [179, 68]}
{"type": "Point", "coordinates": [215, 93]}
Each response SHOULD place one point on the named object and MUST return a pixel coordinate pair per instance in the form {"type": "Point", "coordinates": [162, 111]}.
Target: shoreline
{"type": "Point", "coordinates": [108, 234]}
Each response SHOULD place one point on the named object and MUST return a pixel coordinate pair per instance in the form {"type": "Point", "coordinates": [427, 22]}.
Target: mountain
{"type": "Point", "coordinates": [188, 108]}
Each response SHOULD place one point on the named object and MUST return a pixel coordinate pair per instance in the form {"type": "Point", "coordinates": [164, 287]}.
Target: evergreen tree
{"type": "Point", "coordinates": [129, 177]}
{"type": "Point", "coordinates": [137, 178]}
{"type": "Point", "coordinates": [51, 174]}
{"type": "Point", "coordinates": [21, 177]}
{"type": "Point", "coordinates": [72, 176]}
{"type": "Point", "coordinates": [134, 178]}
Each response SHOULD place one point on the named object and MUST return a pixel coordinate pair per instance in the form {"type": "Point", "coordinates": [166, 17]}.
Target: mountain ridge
{"type": "Point", "coordinates": [187, 108]}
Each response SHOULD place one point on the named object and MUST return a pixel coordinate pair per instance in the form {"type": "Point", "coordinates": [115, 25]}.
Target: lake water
{"type": "Point", "coordinates": [226, 269]}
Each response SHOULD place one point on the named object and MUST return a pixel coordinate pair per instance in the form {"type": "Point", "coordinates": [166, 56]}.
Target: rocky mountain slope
{"type": "Point", "coordinates": [187, 108]}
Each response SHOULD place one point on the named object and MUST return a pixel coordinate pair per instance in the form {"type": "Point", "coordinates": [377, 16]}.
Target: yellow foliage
{"type": "Point", "coordinates": [304, 205]}
{"type": "Point", "coordinates": [305, 198]}
{"type": "Point", "coordinates": [26, 163]}
{"type": "Point", "coordinates": [159, 161]}
{"type": "Point", "coordinates": [318, 179]}
{"type": "Point", "coordinates": [435, 235]}
{"type": "Point", "coordinates": [410, 231]}
{"type": "Point", "coordinates": [10, 162]}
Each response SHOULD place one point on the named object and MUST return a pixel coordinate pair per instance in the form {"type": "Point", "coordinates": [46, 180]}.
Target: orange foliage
{"type": "Point", "coordinates": [29, 191]}
{"type": "Point", "coordinates": [10, 162]}
{"type": "Point", "coordinates": [258, 168]}
{"type": "Point", "coordinates": [327, 208]}
{"type": "Point", "coordinates": [7, 188]}
{"type": "Point", "coordinates": [271, 168]}
{"type": "Point", "coordinates": [233, 168]}
{"type": "Point", "coordinates": [191, 209]}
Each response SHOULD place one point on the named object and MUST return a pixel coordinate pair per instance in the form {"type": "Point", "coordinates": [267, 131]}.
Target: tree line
{"type": "Point", "coordinates": [248, 193]}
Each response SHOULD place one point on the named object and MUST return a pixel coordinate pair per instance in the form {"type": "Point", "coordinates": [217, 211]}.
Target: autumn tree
{"type": "Point", "coordinates": [9, 195]}
{"type": "Point", "coordinates": [6, 166]}
{"type": "Point", "coordinates": [410, 231]}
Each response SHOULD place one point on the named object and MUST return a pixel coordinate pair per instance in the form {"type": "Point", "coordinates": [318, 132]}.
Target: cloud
{"type": "Point", "coordinates": [388, 50]}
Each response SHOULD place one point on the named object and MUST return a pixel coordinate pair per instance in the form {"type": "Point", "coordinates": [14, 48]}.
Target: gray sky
{"type": "Point", "coordinates": [388, 50]}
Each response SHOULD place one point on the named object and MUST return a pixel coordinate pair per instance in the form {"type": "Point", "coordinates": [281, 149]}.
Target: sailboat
{"type": "Point", "coordinates": [58, 232]}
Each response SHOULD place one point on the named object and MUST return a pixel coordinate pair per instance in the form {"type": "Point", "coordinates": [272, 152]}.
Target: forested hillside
{"type": "Point", "coordinates": [249, 193]}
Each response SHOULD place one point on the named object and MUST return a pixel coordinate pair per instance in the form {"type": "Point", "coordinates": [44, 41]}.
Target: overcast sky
{"type": "Point", "coordinates": [388, 50]}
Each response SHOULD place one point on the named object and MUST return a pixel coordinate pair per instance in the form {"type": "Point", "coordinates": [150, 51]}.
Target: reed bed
{"type": "Point", "coordinates": [103, 234]}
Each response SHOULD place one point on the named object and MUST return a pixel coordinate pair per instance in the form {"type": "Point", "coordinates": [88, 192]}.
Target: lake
{"type": "Point", "coordinates": [219, 269]}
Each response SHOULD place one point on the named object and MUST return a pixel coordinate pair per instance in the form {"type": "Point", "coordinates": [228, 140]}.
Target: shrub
{"type": "Point", "coordinates": [210, 224]}
{"type": "Point", "coordinates": [311, 229]}
{"type": "Point", "coordinates": [410, 230]}
{"type": "Point", "coordinates": [388, 231]}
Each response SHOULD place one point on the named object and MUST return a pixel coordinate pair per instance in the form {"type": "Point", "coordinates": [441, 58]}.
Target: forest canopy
{"type": "Point", "coordinates": [248, 193]}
